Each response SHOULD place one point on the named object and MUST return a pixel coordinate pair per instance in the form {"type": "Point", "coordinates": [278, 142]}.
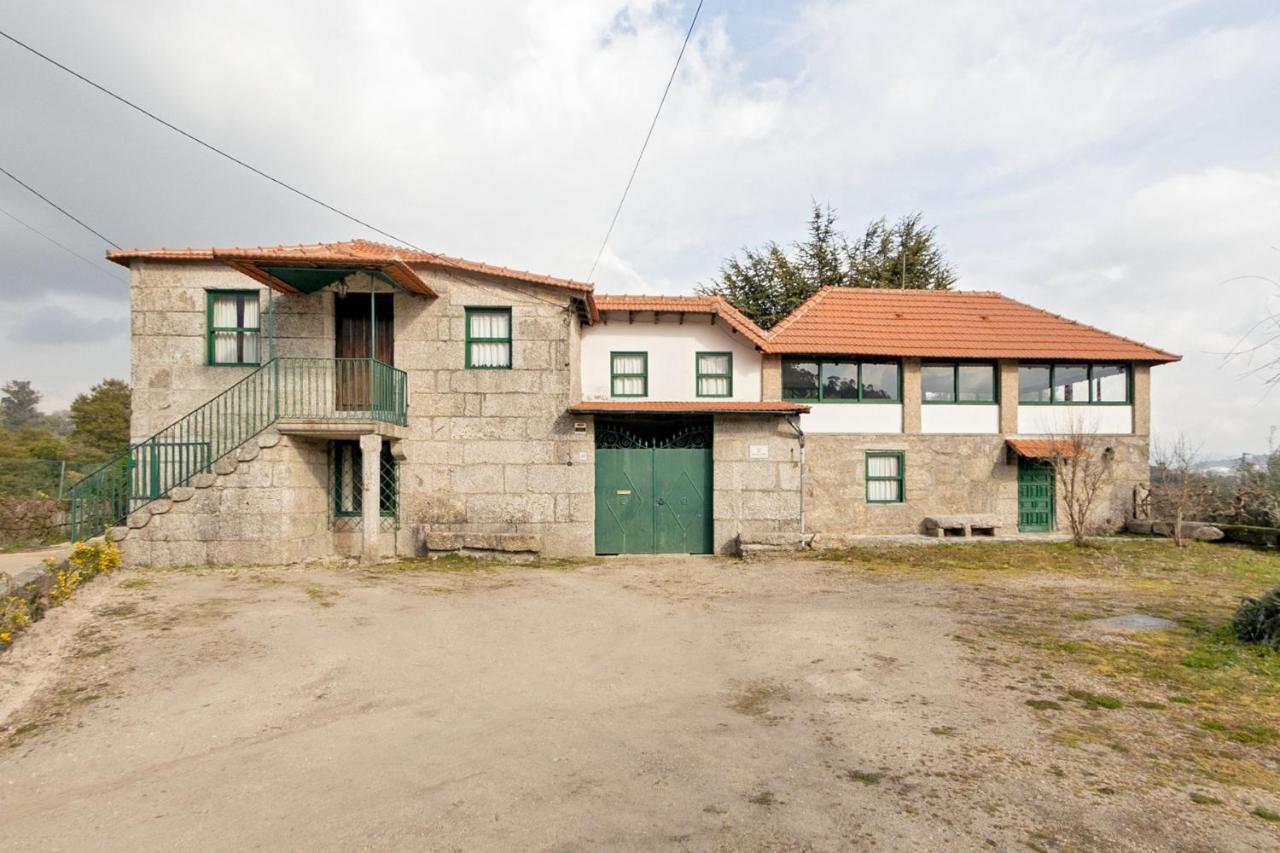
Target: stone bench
{"type": "Point", "coordinates": [961, 526]}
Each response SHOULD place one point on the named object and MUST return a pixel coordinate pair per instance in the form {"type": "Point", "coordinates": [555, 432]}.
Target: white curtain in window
{"type": "Point", "coordinates": [251, 312]}
{"type": "Point", "coordinates": [882, 466]}
{"type": "Point", "coordinates": [490, 325]}
{"type": "Point", "coordinates": [250, 347]}
{"type": "Point", "coordinates": [224, 311]}
{"type": "Point", "coordinates": [490, 354]}
{"type": "Point", "coordinates": [225, 349]}
{"type": "Point", "coordinates": [713, 385]}
{"type": "Point", "coordinates": [882, 490]}
{"type": "Point", "coordinates": [630, 386]}
{"type": "Point", "coordinates": [628, 364]}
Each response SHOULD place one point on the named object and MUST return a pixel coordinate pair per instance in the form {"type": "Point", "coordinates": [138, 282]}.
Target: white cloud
{"type": "Point", "coordinates": [1113, 165]}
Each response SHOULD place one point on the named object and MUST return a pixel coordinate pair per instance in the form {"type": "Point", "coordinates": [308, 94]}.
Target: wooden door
{"type": "Point", "coordinates": [353, 315]}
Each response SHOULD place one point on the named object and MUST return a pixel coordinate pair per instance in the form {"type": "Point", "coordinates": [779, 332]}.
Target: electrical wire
{"type": "Point", "coordinates": [35, 192]}
{"type": "Point", "coordinates": [644, 146]}
{"type": "Point", "coordinates": [216, 150]}
{"type": "Point", "coordinates": [67, 249]}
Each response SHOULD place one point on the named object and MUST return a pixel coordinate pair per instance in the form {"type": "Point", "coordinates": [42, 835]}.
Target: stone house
{"type": "Point", "coordinates": [367, 400]}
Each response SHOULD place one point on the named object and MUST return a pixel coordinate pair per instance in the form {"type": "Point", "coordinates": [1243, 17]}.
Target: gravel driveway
{"type": "Point", "coordinates": [636, 704]}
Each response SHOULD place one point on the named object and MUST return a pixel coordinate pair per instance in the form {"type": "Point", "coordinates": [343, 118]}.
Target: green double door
{"type": "Point", "coordinates": [1035, 496]}
{"type": "Point", "coordinates": [653, 500]}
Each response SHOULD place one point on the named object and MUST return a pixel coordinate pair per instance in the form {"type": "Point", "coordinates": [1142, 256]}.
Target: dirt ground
{"type": "Point", "coordinates": [630, 704]}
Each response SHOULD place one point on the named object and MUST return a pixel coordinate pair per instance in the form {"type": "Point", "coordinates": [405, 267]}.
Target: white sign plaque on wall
{"type": "Point", "coordinates": [758, 451]}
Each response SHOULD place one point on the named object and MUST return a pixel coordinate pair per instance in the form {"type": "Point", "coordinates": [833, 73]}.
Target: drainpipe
{"type": "Point", "coordinates": [800, 438]}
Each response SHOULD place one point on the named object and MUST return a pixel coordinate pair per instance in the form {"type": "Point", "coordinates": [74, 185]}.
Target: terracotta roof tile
{"type": "Point", "coordinates": [346, 251]}
{"type": "Point", "coordinates": [944, 324]}
{"type": "Point", "coordinates": [1046, 448]}
{"type": "Point", "coordinates": [602, 407]}
{"type": "Point", "coordinates": [713, 305]}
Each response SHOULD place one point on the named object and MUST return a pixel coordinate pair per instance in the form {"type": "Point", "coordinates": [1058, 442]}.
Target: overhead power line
{"type": "Point", "coordinates": [216, 150]}
{"type": "Point", "coordinates": [35, 192]}
{"type": "Point", "coordinates": [67, 249]}
{"type": "Point", "coordinates": [645, 145]}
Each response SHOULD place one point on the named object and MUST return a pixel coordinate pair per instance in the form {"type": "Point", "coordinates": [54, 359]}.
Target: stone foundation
{"type": "Point", "coordinates": [266, 503]}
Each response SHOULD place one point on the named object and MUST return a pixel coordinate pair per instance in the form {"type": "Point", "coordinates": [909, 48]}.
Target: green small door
{"type": "Point", "coordinates": [624, 501]}
{"type": "Point", "coordinates": [1035, 496]}
{"type": "Point", "coordinates": [682, 501]}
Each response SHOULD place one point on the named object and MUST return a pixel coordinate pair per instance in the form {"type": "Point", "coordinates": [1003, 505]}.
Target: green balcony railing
{"type": "Point", "coordinates": [294, 388]}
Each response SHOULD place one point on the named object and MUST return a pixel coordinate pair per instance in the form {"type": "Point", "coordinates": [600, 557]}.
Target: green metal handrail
{"type": "Point", "coordinates": [303, 388]}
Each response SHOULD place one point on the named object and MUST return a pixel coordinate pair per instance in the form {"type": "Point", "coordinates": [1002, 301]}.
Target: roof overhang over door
{"type": "Point", "coordinates": [312, 276]}
{"type": "Point", "coordinates": [1045, 448]}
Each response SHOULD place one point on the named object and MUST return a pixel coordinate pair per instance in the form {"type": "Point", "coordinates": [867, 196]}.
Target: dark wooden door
{"type": "Point", "coordinates": [353, 315]}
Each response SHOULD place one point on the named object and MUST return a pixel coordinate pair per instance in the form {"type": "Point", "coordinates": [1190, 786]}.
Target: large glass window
{"type": "Point", "coordinates": [958, 383]}
{"type": "Point", "coordinates": [234, 331]}
{"type": "Point", "coordinates": [841, 381]}
{"type": "Point", "coordinates": [799, 379]}
{"type": "Point", "coordinates": [1073, 383]}
{"type": "Point", "coordinates": [1034, 383]}
{"type": "Point", "coordinates": [489, 338]}
{"type": "Point", "coordinates": [714, 374]}
{"type": "Point", "coordinates": [629, 374]}
{"type": "Point", "coordinates": [884, 477]}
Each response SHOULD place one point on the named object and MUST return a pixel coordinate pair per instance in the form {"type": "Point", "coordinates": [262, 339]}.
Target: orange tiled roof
{"type": "Point", "coordinates": [944, 324]}
{"type": "Point", "coordinates": [1046, 448]}
{"type": "Point", "coordinates": [724, 407]}
{"type": "Point", "coordinates": [713, 305]}
{"type": "Point", "coordinates": [353, 251]}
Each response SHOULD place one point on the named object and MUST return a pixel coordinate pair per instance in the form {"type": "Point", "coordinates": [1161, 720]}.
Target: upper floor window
{"type": "Point", "coordinates": [841, 381]}
{"type": "Point", "coordinates": [958, 383]}
{"type": "Point", "coordinates": [1073, 383]}
{"type": "Point", "coordinates": [233, 324]}
{"type": "Point", "coordinates": [489, 337]}
{"type": "Point", "coordinates": [629, 374]}
{"type": "Point", "coordinates": [715, 374]}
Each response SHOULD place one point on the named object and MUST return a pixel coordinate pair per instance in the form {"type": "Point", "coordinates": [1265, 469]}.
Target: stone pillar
{"type": "Point", "coordinates": [771, 378]}
{"type": "Point", "coordinates": [911, 394]}
{"type": "Point", "coordinates": [1141, 399]}
{"type": "Point", "coordinates": [1008, 378]}
{"type": "Point", "coordinates": [370, 515]}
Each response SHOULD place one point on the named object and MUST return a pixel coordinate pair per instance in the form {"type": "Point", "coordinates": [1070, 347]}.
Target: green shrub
{"type": "Point", "coordinates": [1258, 620]}
{"type": "Point", "coordinates": [1246, 534]}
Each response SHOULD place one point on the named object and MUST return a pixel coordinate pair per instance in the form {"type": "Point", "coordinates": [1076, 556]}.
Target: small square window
{"type": "Point", "coordinates": [715, 374]}
{"type": "Point", "coordinates": [488, 338]}
{"type": "Point", "coordinates": [885, 477]}
{"type": "Point", "coordinates": [234, 332]}
{"type": "Point", "coordinates": [629, 374]}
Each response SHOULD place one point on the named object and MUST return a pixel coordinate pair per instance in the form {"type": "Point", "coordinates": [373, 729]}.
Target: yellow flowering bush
{"type": "Point", "coordinates": [14, 616]}
{"type": "Point", "coordinates": [98, 558]}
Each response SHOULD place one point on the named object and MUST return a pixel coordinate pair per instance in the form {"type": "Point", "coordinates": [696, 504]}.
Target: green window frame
{"type": "Point", "coordinates": [955, 383]}
{"type": "Point", "coordinates": [243, 333]}
{"type": "Point", "coordinates": [700, 375]}
{"type": "Point", "coordinates": [473, 341]}
{"type": "Point", "coordinates": [615, 375]}
{"type": "Point", "coordinates": [1092, 382]}
{"type": "Point", "coordinates": [899, 479]}
{"type": "Point", "coordinates": [348, 489]}
{"type": "Point", "coordinates": [830, 363]}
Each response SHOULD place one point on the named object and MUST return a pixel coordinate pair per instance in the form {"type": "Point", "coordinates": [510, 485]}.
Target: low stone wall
{"type": "Point", "coordinates": [264, 504]}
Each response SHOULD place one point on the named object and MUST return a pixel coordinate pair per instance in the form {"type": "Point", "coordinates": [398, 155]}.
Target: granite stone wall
{"type": "Point", "coordinates": [267, 503]}
{"type": "Point", "coordinates": [756, 480]}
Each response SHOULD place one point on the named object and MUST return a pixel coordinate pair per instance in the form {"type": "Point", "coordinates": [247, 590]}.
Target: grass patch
{"type": "Point", "coordinates": [1266, 814]}
{"type": "Point", "coordinates": [135, 583]}
{"type": "Point", "coordinates": [1096, 701]}
{"type": "Point", "coordinates": [863, 776]}
{"type": "Point", "coordinates": [321, 595]}
{"type": "Point", "coordinates": [1044, 704]}
{"type": "Point", "coordinates": [1204, 799]}
{"type": "Point", "coordinates": [755, 699]}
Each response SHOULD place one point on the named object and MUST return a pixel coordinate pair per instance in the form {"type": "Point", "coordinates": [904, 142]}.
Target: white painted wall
{"type": "Point", "coordinates": [672, 348]}
{"type": "Point", "coordinates": [959, 419]}
{"type": "Point", "coordinates": [1062, 420]}
{"type": "Point", "coordinates": [853, 417]}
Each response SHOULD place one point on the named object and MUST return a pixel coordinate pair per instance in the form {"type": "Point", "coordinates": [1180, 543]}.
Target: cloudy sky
{"type": "Point", "coordinates": [1114, 162]}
